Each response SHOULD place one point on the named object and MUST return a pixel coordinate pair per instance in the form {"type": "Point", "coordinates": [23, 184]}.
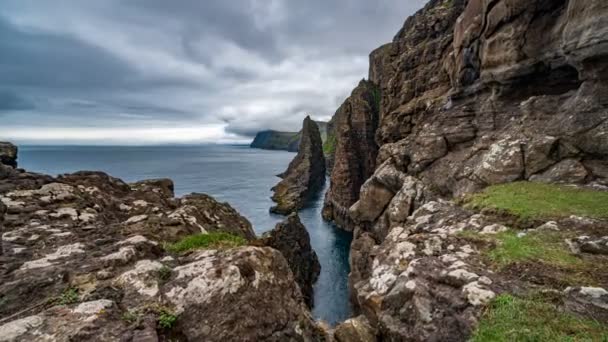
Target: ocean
{"type": "Point", "coordinates": [235, 174]}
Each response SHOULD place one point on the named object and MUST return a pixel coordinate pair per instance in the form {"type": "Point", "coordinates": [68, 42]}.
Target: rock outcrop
{"type": "Point", "coordinates": [291, 238]}
{"type": "Point", "coordinates": [84, 258]}
{"type": "Point", "coordinates": [275, 140]}
{"type": "Point", "coordinates": [8, 154]}
{"type": "Point", "coordinates": [305, 174]}
{"type": "Point", "coordinates": [472, 93]}
{"type": "Point", "coordinates": [354, 158]}
{"type": "Point", "coordinates": [286, 141]}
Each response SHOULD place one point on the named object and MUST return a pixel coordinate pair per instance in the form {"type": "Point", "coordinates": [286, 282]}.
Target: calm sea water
{"type": "Point", "coordinates": [235, 174]}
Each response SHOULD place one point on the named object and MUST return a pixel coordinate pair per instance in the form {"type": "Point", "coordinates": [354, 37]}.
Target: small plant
{"type": "Point", "coordinates": [329, 147]}
{"type": "Point", "coordinates": [164, 273]}
{"type": "Point", "coordinates": [166, 318]}
{"type": "Point", "coordinates": [130, 316]}
{"type": "Point", "coordinates": [69, 296]}
{"type": "Point", "coordinates": [210, 240]}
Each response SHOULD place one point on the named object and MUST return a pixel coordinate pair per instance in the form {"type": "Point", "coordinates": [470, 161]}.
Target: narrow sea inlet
{"type": "Point", "coordinates": [235, 174]}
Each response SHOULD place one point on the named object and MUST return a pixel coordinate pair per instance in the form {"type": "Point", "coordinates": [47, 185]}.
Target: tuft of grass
{"type": "Point", "coordinates": [546, 247]}
{"type": "Point", "coordinates": [131, 316]}
{"type": "Point", "coordinates": [69, 296]}
{"type": "Point", "coordinates": [164, 273]}
{"type": "Point", "coordinates": [203, 241]}
{"type": "Point", "coordinates": [530, 200]}
{"type": "Point", "coordinates": [166, 318]}
{"type": "Point", "coordinates": [514, 319]}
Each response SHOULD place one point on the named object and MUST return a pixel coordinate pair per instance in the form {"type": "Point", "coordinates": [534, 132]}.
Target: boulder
{"type": "Point", "coordinates": [291, 238]}
{"type": "Point", "coordinates": [8, 154]}
{"type": "Point", "coordinates": [568, 171]}
{"type": "Point", "coordinates": [305, 174]}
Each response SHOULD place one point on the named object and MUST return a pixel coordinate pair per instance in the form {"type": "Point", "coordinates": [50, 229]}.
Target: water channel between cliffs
{"type": "Point", "coordinates": [235, 174]}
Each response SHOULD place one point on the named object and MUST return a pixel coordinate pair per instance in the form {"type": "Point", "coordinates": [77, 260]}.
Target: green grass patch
{"type": "Point", "coordinates": [69, 296]}
{"type": "Point", "coordinates": [166, 318]}
{"type": "Point", "coordinates": [530, 200]}
{"type": "Point", "coordinates": [329, 147]}
{"type": "Point", "coordinates": [206, 241]}
{"type": "Point", "coordinates": [546, 247]}
{"type": "Point", "coordinates": [513, 319]}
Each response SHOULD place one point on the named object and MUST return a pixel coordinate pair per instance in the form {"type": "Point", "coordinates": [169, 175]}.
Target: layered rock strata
{"type": "Point", "coordinates": [305, 174]}
{"type": "Point", "coordinates": [473, 93]}
{"type": "Point", "coordinates": [291, 238]}
{"type": "Point", "coordinates": [353, 126]}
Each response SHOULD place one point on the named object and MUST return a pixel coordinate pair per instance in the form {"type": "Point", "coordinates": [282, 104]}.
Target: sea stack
{"type": "Point", "coordinates": [8, 154]}
{"type": "Point", "coordinates": [291, 238]}
{"type": "Point", "coordinates": [305, 174]}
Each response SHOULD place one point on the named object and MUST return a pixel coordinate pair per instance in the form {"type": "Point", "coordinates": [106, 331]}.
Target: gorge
{"type": "Point", "coordinates": [471, 168]}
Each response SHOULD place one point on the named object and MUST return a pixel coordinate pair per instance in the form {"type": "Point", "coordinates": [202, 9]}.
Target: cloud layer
{"type": "Point", "coordinates": [157, 71]}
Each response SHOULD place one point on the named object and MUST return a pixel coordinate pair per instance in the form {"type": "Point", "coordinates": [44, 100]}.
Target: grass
{"type": "Point", "coordinates": [529, 200]}
{"type": "Point", "coordinates": [546, 247]}
{"type": "Point", "coordinates": [204, 241]}
{"type": "Point", "coordinates": [164, 273]}
{"type": "Point", "coordinates": [329, 147]}
{"type": "Point", "coordinates": [513, 319]}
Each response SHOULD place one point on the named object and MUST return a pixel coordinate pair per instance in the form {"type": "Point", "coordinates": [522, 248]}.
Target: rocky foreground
{"type": "Point", "coordinates": [88, 257]}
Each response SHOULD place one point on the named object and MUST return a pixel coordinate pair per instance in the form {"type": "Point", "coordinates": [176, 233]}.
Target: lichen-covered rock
{"type": "Point", "coordinates": [291, 238]}
{"type": "Point", "coordinates": [354, 158]}
{"type": "Point", "coordinates": [355, 329]}
{"type": "Point", "coordinates": [8, 154]}
{"type": "Point", "coordinates": [244, 294]}
{"type": "Point", "coordinates": [305, 174]}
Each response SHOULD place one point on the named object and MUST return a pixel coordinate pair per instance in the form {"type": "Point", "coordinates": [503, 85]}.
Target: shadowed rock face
{"type": "Point", "coordinates": [473, 93]}
{"type": "Point", "coordinates": [305, 174]}
{"type": "Point", "coordinates": [8, 154]}
{"type": "Point", "coordinates": [354, 126]}
{"type": "Point", "coordinates": [291, 238]}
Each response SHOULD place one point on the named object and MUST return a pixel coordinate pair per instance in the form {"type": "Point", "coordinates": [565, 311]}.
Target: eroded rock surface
{"type": "Point", "coordinates": [8, 154]}
{"type": "Point", "coordinates": [83, 258]}
{"type": "Point", "coordinates": [305, 174]}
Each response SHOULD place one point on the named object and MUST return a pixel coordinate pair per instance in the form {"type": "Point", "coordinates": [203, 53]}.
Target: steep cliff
{"type": "Point", "coordinates": [275, 140]}
{"type": "Point", "coordinates": [354, 154]}
{"type": "Point", "coordinates": [473, 94]}
{"type": "Point", "coordinates": [305, 174]}
{"type": "Point", "coordinates": [287, 141]}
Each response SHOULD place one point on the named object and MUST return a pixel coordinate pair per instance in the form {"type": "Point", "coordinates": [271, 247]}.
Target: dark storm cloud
{"type": "Point", "coordinates": [235, 66]}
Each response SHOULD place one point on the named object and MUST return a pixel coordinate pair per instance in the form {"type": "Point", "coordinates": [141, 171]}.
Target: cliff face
{"type": "Point", "coordinates": [305, 174]}
{"type": "Point", "coordinates": [274, 140]}
{"type": "Point", "coordinates": [473, 93]}
{"type": "Point", "coordinates": [353, 128]}
{"type": "Point", "coordinates": [286, 141]}
{"type": "Point", "coordinates": [84, 257]}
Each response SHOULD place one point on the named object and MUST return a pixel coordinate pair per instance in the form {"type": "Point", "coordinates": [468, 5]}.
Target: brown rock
{"type": "Point", "coordinates": [291, 238]}
{"type": "Point", "coordinates": [355, 151]}
{"type": "Point", "coordinates": [305, 174]}
{"type": "Point", "coordinates": [566, 171]}
{"type": "Point", "coordinates": [8, 154]}
{"type": "Point", "coordinates": [355, 329]}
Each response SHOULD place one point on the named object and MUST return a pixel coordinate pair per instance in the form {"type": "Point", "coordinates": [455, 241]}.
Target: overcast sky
{"type": "Point", "coordinates": [181, 71]}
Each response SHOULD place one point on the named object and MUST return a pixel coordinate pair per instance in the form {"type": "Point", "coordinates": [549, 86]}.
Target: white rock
{"type": "Point", "coordinates": [11, 331]}
{"type": "Point", "coordinates": [476, 294]}
{"type": "Point", "coordinates": [142, 277]}
{"type": "Point", "coordinates": [61, 253]}
{"type": "Point", "coordinates": [94, 307]}
{"type": "Point", "coordinates": [140, 203]}
{"type": "Point", "coordinates": [124, 254]}
{"type": "Point", "coordinates": [494, 229]}
{"type": "Point", "coordinates": [463, 275]}
{"type": "Point", "coordinates": [551, 225]}
{"type": "Point", "coordinates": [60, 213]}
{"type": "Point", "coordinates": [136, 240]}
{"type": "Point", "coordinates": [136, 219]}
